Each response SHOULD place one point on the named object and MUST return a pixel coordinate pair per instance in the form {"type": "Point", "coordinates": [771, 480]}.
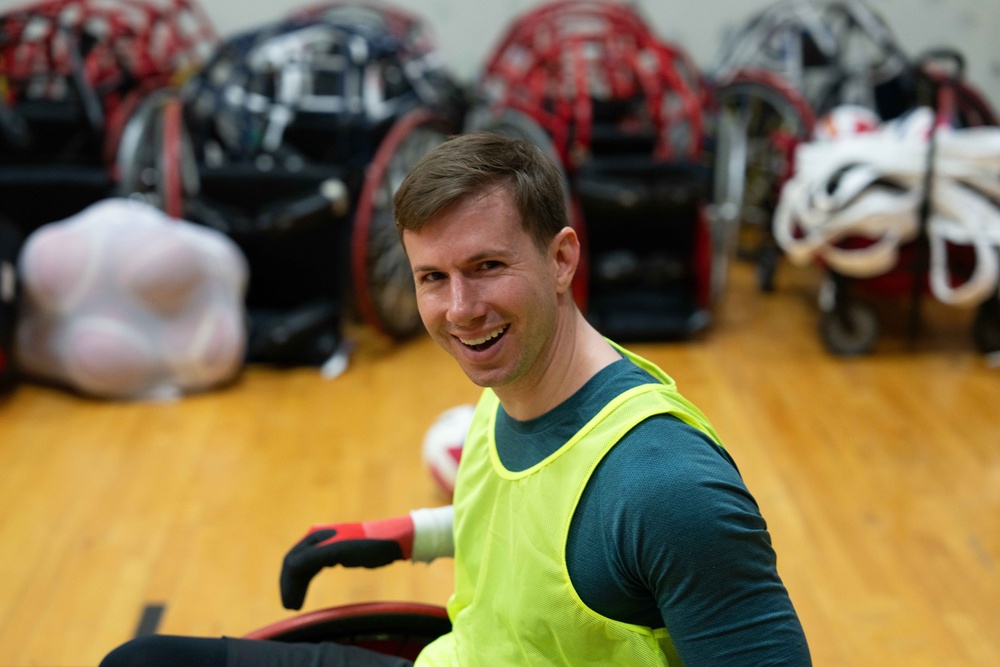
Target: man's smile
{"type": "Point", "coordinates": [485, 341]}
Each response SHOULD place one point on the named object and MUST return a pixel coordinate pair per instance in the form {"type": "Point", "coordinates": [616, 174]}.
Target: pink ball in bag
{"type": "Point", "coordinates": [122, 301]}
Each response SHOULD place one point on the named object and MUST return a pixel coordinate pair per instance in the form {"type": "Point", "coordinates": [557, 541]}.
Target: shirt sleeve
{"type": "Point", "coordinates": [687, 530]}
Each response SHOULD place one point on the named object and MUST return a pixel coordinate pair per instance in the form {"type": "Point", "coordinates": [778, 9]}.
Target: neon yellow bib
{"type": "Point", "coordinates": [514, 603]}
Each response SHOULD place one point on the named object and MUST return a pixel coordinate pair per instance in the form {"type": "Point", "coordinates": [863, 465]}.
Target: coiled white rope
{"type": "Point", "coordinates": [872, 185]}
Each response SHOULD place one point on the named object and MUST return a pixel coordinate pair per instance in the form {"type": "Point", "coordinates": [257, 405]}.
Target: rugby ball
{"type": "Point", "coordinates": [442, 447]}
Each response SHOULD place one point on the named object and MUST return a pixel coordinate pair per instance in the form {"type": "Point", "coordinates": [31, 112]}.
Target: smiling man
{"type": "Point", "coordinates": [597, 518]}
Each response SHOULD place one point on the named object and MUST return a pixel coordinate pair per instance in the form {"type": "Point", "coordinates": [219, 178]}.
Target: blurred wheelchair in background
{"type": "Point", "coordinates": [621, 111]}
{"type": "Point", "coordinates": [72, 73]}
{"type": "Point", "coordinates": [292, 140]}
{"type": "Point", "coordinates": [790, 64]}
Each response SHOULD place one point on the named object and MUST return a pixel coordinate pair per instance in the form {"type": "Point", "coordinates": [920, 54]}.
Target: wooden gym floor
{"type": "Point", "coordinates": [879, 478]}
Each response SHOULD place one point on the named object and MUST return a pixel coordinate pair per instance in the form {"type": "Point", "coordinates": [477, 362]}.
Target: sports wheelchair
{"type": "Point", "coordinates": [392, 628]}
{"type": "Point", "coordinates": [896, 210]}
{"type": "Point", "coordinates": [72, 73]}
{"type": "Point", "coordinates": [621, 112]}
{"type": "Point", "coordinates": [292, 140]}
{"type": "Point", "coordinates": [790, 65]}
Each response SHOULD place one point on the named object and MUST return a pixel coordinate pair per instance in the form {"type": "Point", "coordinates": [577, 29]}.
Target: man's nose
{"type": "Point", "coordinates": [465, 303]}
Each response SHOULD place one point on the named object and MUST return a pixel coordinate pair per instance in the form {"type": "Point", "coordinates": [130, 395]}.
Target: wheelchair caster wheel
{"type": "Point", "coordinates": [849, 329]}
{"type": "Point", "coordinates": [986, 326]}
{"type": "Point", "coordinates": [767, 266]}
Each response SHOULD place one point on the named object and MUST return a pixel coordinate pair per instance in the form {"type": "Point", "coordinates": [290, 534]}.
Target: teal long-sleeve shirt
{"type": "Point", "coordinates": [666, 533]}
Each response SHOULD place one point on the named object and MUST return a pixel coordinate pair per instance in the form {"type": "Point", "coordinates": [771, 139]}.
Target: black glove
{"type": "Point", "coordinates": [371, 544]}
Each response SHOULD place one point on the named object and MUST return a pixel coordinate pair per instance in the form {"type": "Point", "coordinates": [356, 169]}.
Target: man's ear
{"type": "Point", "coordinates": [564, 250]}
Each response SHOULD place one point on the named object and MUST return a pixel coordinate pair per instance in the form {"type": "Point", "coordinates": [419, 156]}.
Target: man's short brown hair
{"type": "Point", "coordinates": [472, 164]}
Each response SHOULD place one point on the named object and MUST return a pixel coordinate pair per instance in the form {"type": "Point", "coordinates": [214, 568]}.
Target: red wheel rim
{"type": "Point", "coordinates": [374, 174]}
{"type": "Point", "coordinates": [173, 194]}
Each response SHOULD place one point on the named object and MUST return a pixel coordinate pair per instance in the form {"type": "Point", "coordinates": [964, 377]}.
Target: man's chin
{"type": "Point", "coordinates": [481, 377]}
{"type": "Point", "coordinates": [478, 381]}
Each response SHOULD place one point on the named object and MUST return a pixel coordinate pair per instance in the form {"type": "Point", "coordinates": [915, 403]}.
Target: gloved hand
{"type": "Point", "coordinates": [370, 544]}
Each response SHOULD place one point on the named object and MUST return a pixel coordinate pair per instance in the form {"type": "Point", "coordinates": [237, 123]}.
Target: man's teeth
{"type": "Point", "coordinates": [487, 337]}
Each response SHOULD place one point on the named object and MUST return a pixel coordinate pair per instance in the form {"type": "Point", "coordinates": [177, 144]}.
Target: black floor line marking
{"type": "Point", "coordinates": [150, 620]}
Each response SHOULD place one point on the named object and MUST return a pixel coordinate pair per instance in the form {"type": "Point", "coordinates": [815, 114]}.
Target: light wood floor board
{"type": "Point", "coordinates": [879, 478]}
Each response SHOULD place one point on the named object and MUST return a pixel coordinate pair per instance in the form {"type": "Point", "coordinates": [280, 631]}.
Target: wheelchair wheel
{"type": "Point", "coordinates": [518, 125]}
{"type": "Point", "coordinates": [941, 85]}
{"type": "Point", "coordinates": [986, 326]}
{"type": "Point", "coordinates": [155, 160]}
{"type": "Point", "coordinates": [515, 124]}
{"type": "Point", "coordinates": [850, 329]}
{"type": "Point", "coordinates": [973, 108]}
{"type": "Point", "coordinates": [969, 107]}
{"type": "Point", "coordinates": [760, 120]}
{"type": "Point", "coordinates": [400, 629]}
{"type": "Point", "coordinates": [383, 283]}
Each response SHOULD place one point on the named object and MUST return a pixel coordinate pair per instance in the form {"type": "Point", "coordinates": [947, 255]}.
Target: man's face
{"type": "Point", "coordinates": [485, 292]}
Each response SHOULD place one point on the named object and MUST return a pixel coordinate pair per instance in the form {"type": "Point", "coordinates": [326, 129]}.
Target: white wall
{"type": "Point", "coordinates": [467, 29]}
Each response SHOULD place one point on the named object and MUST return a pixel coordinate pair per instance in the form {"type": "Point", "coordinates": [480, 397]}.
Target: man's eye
{"type": "Point", "coordinates": [431, 277]}
{"type": "Point", "coordinates": [490, 264]}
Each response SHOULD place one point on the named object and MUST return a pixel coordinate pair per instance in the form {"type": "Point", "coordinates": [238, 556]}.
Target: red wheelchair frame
{"type": "Point", "coordinates": [621, 111]}
{"type": "Point", "coordinates": [546, 66]}
{"type": "Point", "coordinates": [399, 629]}
{"type": "Point", "coordinates": [72, 74]}
{"type": "Point", "coordinates": [144, 45]}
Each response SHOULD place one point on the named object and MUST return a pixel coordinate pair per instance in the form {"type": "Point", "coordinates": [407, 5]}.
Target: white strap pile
{"type": "Point", "coordinates": [872, 185]}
